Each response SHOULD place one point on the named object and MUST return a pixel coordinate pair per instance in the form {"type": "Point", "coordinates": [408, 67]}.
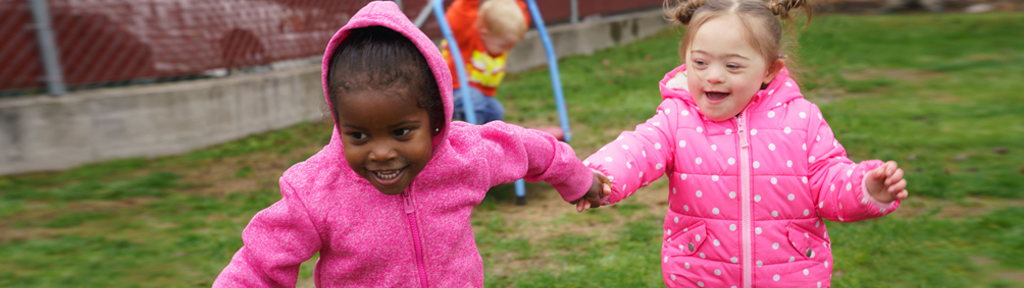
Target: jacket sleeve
{"type": "Point", "coordinates": [512, 152]}
{"type": "Point", "coordinates": [638, 157]}
{"type": "Point", "coordinates": [461, 17]}
{"type": "Point", "coordinates": [276, 242]}
{"type": "Point", "coordinates": [838, 182]}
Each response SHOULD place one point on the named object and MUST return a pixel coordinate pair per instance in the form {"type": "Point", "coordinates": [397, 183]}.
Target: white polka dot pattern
{"type": "Point", "coordinates": [780, 193]}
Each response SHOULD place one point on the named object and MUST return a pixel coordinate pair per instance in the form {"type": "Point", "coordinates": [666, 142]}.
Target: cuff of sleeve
{"type": "Point", "coordinates": [868, 198]}
{"type": "Point", "coordinates": [577, 183]}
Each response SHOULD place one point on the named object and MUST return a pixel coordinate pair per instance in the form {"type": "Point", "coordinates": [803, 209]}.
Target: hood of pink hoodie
{"type": "Point", "coordinates": [387, 14]}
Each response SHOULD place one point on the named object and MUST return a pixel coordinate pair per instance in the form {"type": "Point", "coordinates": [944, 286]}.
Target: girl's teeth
{"type": "Point", "coordinates": [387, 174]}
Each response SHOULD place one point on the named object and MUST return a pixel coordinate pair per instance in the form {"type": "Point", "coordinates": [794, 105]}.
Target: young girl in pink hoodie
{"type": "Point", "coordinates": [752, 166]}
{"type": "Point", "coordinates": [387, 202]}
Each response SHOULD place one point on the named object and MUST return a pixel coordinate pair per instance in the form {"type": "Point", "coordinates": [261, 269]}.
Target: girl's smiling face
{"type": "Point", "coordinates": [387, 137]}
{"type": "Point", "coordinates": [723, 70]}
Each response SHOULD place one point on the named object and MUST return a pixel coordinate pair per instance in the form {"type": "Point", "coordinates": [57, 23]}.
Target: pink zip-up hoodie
{"type": "Point", "coordinates": [420, 238]}
{"type": "Point", "coordinates": [747, 195]}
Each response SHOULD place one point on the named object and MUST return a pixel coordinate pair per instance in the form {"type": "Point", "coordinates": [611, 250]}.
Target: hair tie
{"type": "Point", "coordinates": [691, 10]}
{"type": "Point", "coordinates": [784, 4]}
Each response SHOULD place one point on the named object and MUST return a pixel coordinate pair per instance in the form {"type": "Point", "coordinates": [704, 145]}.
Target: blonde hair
{"type": "Point", "coordinates": [763, 29]}
{"type": "Point", "coordinates": [502, 17]}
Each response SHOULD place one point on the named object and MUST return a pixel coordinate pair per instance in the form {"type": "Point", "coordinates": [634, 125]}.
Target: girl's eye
{"type": "Point", "coordinates": [732, 66]}
{"type": "Point", "coordinates": [700, 63]}
{"type": "Point", "coordinates": [357, 135]}
{"type": "Point", "coordinates": [402, 132]}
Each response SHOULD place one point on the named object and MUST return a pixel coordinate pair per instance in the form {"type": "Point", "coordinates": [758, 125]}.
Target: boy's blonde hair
{"type": "Point", "coordinates": [502, 18]}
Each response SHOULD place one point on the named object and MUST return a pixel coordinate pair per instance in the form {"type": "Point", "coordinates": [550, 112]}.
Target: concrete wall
{"type": "Point", "coordinates": [52, 133]}
{"type": "Point", "coordinates": [585, 37]}
{"type": "Point", "coordinates": [48, 133]}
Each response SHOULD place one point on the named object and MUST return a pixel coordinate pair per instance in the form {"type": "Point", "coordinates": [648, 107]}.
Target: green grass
{"type": "Point", "coordinates": [938, 93]}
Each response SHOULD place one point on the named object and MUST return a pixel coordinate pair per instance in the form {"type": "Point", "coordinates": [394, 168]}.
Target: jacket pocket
{"type": "Point", "coordinates": [806, 244]}
{"type": "Point", "coordinates": [687, 241]}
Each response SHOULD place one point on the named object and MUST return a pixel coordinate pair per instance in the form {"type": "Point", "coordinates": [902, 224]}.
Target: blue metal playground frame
{"type": "Point", "coordinates": [460, 69]}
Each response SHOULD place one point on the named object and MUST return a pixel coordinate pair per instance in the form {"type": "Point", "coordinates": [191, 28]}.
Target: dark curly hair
{"type": "Point", "coordinates": [378, 58]}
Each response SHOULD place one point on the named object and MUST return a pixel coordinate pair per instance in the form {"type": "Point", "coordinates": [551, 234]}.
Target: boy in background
{"type": "Point", "coordinates": [485, 32]}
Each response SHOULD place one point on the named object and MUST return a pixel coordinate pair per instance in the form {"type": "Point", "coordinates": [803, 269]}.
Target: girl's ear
{"type": "Point", "coordinates": [774, 69]}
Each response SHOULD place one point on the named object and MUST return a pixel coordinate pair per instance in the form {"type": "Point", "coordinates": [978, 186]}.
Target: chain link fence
{"type": "Point", "coordinates": [117, 42]}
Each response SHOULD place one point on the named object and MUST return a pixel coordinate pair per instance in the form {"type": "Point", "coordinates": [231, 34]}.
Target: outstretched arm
{"type": "Point", "coordinates": [511, 152]}
{"type": "Point", "coordinates": [638, 157]}
{"type": "Point", "coordinates": [276, 242]}
{"type": "Point", "coordinates": [848, 191]}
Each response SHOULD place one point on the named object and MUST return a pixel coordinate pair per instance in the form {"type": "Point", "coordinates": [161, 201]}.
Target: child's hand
{"type": "Point", "coordinates": [886, 183]}
{"type": "Point", "coordinates": [601, 188]}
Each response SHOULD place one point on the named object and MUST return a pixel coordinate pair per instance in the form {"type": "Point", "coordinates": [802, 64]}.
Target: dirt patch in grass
{"type": "Point", "coordinates": [546, 217]}
{"type": "Point", "coordinates": [250, 172]}
{"type": "Point", "coordinates": [825, 95]}
{"type": "Point", "coordinates": [991, 267]}
{"type": "Point", "coordinates": [916, 77]}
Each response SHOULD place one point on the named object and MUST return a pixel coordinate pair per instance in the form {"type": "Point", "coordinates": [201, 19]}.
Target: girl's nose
{"type": "Point", "coordinates": [382, 153]}
{"type": "Point", "coordinates": [715, 76]}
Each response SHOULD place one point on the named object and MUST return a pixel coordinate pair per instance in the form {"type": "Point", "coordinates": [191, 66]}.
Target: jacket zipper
{"type": "Point", "coordinates": [748, 272]}
{"type": "Point", "coordinates": [410, 212]}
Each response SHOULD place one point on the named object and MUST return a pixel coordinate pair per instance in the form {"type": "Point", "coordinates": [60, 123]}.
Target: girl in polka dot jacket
{"type": "Point", "coordinates": [753, 167]}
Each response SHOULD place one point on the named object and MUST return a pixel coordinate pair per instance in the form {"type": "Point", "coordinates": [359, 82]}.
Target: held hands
{"type": "Point", "coordinates": [600, 189]}
{"type": "Point", "coordinates": [886, 183]}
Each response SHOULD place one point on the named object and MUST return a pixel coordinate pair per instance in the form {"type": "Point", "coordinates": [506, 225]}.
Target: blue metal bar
{"type": "Point", "coordinates": [460, 66]}
{"type": "Point", "coordinates": [556, 81]}
{"type": "Point", "coordinates": [520, 188]}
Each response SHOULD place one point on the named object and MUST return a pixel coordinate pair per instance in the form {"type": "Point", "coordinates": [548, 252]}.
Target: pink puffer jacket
{"type": "Point", "coordinates": [420, 238]}
{"type": "Point", "coordinates": [747, 194]}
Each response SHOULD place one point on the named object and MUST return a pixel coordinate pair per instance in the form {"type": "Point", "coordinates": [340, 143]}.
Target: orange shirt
{"type": "Point", "coordinates": [484, 70]}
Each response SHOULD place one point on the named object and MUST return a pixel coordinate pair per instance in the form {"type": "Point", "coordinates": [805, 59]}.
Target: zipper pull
{"type": "Point", "coordinates": [742, 131]}
{"type": "Point", "coordinates": [408, 203]}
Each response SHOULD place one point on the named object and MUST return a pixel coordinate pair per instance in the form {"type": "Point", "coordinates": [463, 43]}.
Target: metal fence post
{"type": "Point", "coordinates": [47, 47]}
{"type": "Point", "coordinates": [575, 11]}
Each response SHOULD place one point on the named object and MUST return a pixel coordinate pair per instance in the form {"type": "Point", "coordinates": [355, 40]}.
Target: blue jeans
{"type": "Point", "coordinates": [487, 108]}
